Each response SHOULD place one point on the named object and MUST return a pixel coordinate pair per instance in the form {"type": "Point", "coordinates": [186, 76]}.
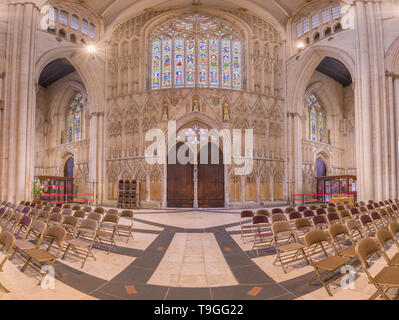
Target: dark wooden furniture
{"type": "Point", "coordinates": [129, 194]}
{"type": "Point", "coordinates": [344, 185]}
{"type": "Point", "coordinates": [56, 189]}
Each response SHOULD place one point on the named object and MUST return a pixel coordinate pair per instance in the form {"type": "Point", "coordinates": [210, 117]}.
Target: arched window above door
{"type": "Point", "coordinates": [75, 118]}
{"type": "Point", "coordinates": [317, 119]}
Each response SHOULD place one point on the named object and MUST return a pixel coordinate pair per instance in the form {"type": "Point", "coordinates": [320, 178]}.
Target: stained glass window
{"type": "Point", "coordinates": [190, 63]}
{"type": "Point", "coordinates": [226, 57]}
{"type": "Point", "coordinates": [316, 119]}
{"type": "Point", "coordinates": [156, 63]}
{"type": "Point", "coordinates": [74, 118]}
{"type": "Point", "coordinates": [85, 27]}
{"type": "Point", "coordinates": [236, 64]}
{"type": "Point", "coordinates": [203, 61]}
{"type": "Point", "coordinates": [179, 62]}
{"type": "Point", "coordinates": [166, 61]}
{"type": "Point", "coordinates": [213, 67]}
{"type": "Point", "coordinates": [196, 50]}
{"type": "Point", "coordinates": [75, 22]}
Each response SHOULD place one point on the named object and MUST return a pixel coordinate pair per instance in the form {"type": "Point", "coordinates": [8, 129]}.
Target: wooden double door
{"type": "Point", "coordinates": [210, 188]}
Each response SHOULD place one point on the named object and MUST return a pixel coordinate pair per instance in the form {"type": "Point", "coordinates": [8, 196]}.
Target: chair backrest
{"type": "Point", "coordinates": [344, 214]}
{"type": "Point", "coordinates": [315, 237]}
{"type": "Point", "coordinates": [302, 208]}
{"type": "Point", "coordinates": [319, 219]}
{"type": "Point", "coordinates": [38, 226]}
{"type": "Point", "coordinates": [383, 236]}
{"type": "Point", "coordinates": [332, 204]}
{"type": "Point", "coordinates": [47, 208]}
{"type": "Point", "coordinates": [66, 206]}
{"type": "Point", "coordinates": [321, 211]}
{"type": "Point", "coordinates": [67, 212]}
{"type": "Point", "coordinates": [71, 221]}
{"type": "Point", "coordinates": [27, 204]}
{"type": "Point", "coordinates": [313, 207]}
{"type": "Point", "coordinates": [247, 214]}
{"type": "Point", "coordinates": [376, 205]}
{"type": "Point", "coordinates": [113, 211]}
{"type": "Point", "coordinates": [353, 224]}
{"type": "Point", "coordinates": [127, 214]}
{"type": "Point", "coordinates": [302, 223]}
{"type": "Point", "coordinates": [26, 210]}
{"type": "Point", "coordinates": [39, 206]}
{"type": "Point", "coordinates": [354, 211]}
{"type": "Point", "coordinates": [356, 204]}
{"type": "Point", "coordinates": [340, 207]}
{"type": "Point", "coordinates": [33, 205]}
{"type": "Point", "coordinates": [394, 228]}
{"type": "Point", "coordinates": [363, 209]}
{"type": "Point", "coordinates": [365, 248]}
{"type": "Point", "coordinates": [56, 232]}
{"type": "Point", "coordinates": [365, 219]}
{"type": "Point", "coordinates": [89, 224]}
{"type": "Point", "coordinates": [308, 213]}
{"type": "Point", "coordinates": [44, 214]}
{"type": "Point", "coordinates": [294, 215]}
{"type": "Point", "coordinates": [87, 209]}
{"type": "Point", "coordinates": [110, 218]}
{"type": "Point", "coordinates": [79, 214]}
{"type": "Point", "coordinates": [263, 212]}
{"type": "Point", "coordinates": [332, 216]}
{"type": "Point", "coordinates": [277, 210]}
{"type": "Point", "coordinates": [375, 215]}
{"type": "Point", "coordinates": [278, 217]}
{"type": "Point", "coordinates": [56, 210]}
{"type": "Point", "coordinates": [370, 207]}
{"type": "Point", "coordinates": [331, 209]}
{"type": "Point", "coordinates": [99, 210]}
{"type": "Point", "coordinates": [58, 205]}
{"type": "Point", "coordinates": [259, 219]}
{"type": "Point", "coordinates": [362, 203]}
{"type": "Point", "coordinates": [336, 230]}
{"type": "Point", "coordinates": [7, 240]}
{"type": "Point", "coordinates": [289, 209]}
{"type": "Point", "coordinates": [95, 216]}
{"type": "Point", "coordinates": [55, 217]}
{"type": "Point", "coordinates": [2, 210]}
{"type": "Point", "coordinates": [370, 201]}
{"type": "Point", "coordinates": [323, 205]}
{"type": "Point", "coordinates": [25, 222]}
{"type": "Point", "coordinates": [74, 208]}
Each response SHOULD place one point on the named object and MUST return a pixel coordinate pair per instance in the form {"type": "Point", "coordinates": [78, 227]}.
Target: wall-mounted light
{"type": "Point", "coordinates": [91, 49]}
{"type": "Point", "coordinates": [300, 45]}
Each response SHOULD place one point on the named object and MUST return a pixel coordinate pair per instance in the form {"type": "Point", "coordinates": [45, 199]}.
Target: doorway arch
{"type": "Point", "coordinates": [68, 168]}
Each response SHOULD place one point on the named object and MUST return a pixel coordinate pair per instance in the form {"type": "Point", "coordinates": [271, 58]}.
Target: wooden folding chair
{"type": "Point", "coordinates": [70, 224]}
{"type": "Point", "coordinates": [263, 212]}
{"type": "Point", "coordinates": [342, 241]}
{"type": "Point", "coordinates": [332, 217]}
{"type": "Point", "coordinates": [326, 268]}
{"type": "Point", "coordinates": [320, 221]}
{"type": "Point", "coordinates": [245, 226]}
{"type": "Point", "coordinates": [32, 239]}
{"type": "Point", "coordinates": [355, 229]}
{"type": "Point", "coordinates": [384, 237]}
{"type": "Point", "coordinates": [126, 229]}
{"type": "Point", "coordinates": [302, 226]}
{"type": "Point", "coordinates": [22, 227]}
{"type": "Point", "coordinates": [368, 225]}
{"type": "Point", "coordinates": [287, 246]}
{"type": "Point", "coordinates": [100, 210]}
{"type": "Point", "coordinates": [7, 241]}
{"type": "Point", "coordinates": [377, 219]}
{"type": "Point", "coordinates": [113, 211]}
{"type": "Point", "coordinates": [278, 217]}
{"type": "Point", "coordinates": [263, 238]}
{"type": "Point", "coordinates": [344, 215]}
{"type": "Point", "coordinates": [109, 222]}
{"type": "Point", "coordinates": [384, 280]}
{"type": "Point", "coordinates": [82, 244]}
{"type": "Point", "coordinates": [55, 234]}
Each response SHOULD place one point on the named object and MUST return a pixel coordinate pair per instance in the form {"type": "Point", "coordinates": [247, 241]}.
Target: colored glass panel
{"type": "Point", "coordinates": [226, 64]}
{"type": "Point", "coordinates": [166, 61]}
{"type": "Point", "coordinates": [190, 61]}
{"type": "Point", "coordinates": [236, 65]}
{"type": "Point", "coordinates": [213, 63]}
{"type": "Point", "coordinates": [156, 63]}
{"type": "Point", "coordinates": [179, 62]}
{"type": "Point", "coordinates": [203, 61]}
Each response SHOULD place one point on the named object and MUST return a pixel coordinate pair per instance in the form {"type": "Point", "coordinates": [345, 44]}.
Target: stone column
{"type": "Point", "coordinates": [195, 203]}
{"type": "Point", "coordinates": [93, 136]}
{"type": "Point", "coordinates": [20, 101]}
{"type": "Point", "coordinates": [370, 102]}
{"type": "Point", "coordinates": [396, 108]}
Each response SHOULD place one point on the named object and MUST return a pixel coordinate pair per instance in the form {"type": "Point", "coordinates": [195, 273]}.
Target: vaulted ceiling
{"type": "Point", "coordinates": [279, 10]}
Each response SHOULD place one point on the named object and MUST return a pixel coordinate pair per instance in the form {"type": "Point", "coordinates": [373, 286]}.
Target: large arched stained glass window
{"type": "Point", "coordinates": [74, 118]}
{"type": "Point", "coordinates": [196, 50]}
{"type": "Point", "coordinates": [317, 119]}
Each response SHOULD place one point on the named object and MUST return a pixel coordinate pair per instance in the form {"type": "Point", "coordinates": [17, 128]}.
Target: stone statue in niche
{"type": "Point", "coordinates": [196, 105]}
{"type": "Point", "coordinates": [329, 136]}
{"type": "Point", "coordinates": [165, 112]}
{"type": "Point", "coordinates": [226, 113]}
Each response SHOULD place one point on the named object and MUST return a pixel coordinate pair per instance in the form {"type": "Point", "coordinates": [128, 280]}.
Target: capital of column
{"type": "Point", "coordinates": [293, 114]}
{"type": "Point", "coordinates": [35, 3]}
{"type": "Point", "coordinates": [391, 74]}
{"type": "Point", "coordinates": [96, 114]}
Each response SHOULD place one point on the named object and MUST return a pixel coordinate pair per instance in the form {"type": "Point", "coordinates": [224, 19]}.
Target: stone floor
{"type": "Point", "coordinates": [180, 255]}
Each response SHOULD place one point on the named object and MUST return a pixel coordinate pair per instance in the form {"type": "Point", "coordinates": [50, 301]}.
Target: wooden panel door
{"type": "Point", "coordinates": [210, 182]}
{"type": "Point", "coordinates": [180, 186]}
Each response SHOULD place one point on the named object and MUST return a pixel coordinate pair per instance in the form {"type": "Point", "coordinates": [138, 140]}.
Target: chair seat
{"type": "Point", "coordinates": [388, 276]}
{"type": "Point", "coordinates": [290, 247]}
{"type": "Point", "coordinates": [348, 252]}
{"type": "Point", "coordinates": [124, 226]}
{"type": "Point", "coordinates": [24, 244]}
{"type": "Point", "coordinates": [104, 234]}
{"type": "Point", "coordinates": [331, 263]}
{"type": "Point", "coordinates": [85, 230]}
{"type": "Point", "coordinates": [79, 243]}
{"type": "Point", "coordinates": [242, 227]}
{"type": "Point", "coordinates": [40, 255]}
{"type": "Point", "coordinates": [304, 228]}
